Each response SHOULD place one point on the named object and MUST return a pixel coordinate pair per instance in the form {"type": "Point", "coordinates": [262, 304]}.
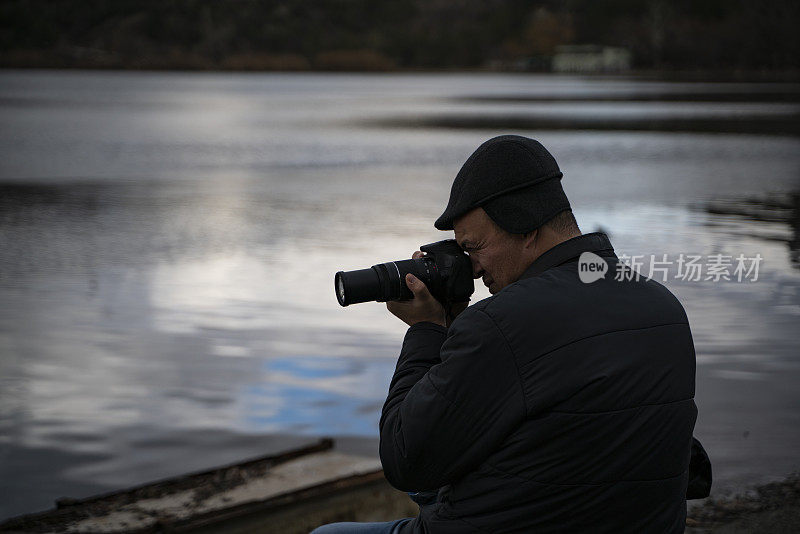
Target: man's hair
{"type": "Point", "coordinates": [564, 223]}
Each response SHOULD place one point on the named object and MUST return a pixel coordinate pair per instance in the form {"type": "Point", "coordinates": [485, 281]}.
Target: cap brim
{"type": "Point", "coordinates": [541, 186]}
{"type": "Point", "coordinates": [445, 220]}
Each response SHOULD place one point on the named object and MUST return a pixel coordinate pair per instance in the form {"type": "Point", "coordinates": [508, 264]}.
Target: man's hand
{"type": "Point", "coordinates": [422, 308]}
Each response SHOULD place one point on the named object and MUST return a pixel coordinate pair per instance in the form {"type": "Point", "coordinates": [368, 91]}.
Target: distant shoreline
{"type": "Point", "coordinates": [767, 76]}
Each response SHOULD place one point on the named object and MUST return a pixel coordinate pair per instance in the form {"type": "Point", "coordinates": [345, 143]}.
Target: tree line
{"type": "Point", "coordinates": [394, 34]}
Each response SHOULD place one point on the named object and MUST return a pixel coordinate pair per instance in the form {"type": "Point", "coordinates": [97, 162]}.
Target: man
{"type": "Point", "coordinates": [555, 405]}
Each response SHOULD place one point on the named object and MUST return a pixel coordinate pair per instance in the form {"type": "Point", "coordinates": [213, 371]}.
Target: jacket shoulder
{"type": "Point", "coordinates": [557, 305]}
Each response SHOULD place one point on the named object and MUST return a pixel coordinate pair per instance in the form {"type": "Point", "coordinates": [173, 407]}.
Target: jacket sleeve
{"type": "Point", "coordinates": [451, 402]}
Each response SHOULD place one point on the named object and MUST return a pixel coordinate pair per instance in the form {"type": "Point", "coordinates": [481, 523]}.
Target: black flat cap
{"type": "Point", "coordinates": [516, 181]}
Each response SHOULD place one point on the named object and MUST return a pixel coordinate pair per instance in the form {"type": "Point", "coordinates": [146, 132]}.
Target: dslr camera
{"type": "Point", "coordinates": [445, 269]}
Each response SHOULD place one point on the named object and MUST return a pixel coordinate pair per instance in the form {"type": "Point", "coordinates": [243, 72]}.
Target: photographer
{"type": "Point", "coordinates": [555, 405]}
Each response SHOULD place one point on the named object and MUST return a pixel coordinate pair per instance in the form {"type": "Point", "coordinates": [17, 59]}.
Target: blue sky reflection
{"type": "Point", "coordinates": [319, 395]}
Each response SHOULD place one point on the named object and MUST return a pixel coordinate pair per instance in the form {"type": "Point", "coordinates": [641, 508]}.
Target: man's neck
{"type": "Point", "coordinates": [549, 240]}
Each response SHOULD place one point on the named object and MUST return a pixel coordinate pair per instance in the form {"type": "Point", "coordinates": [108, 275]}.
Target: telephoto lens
{"type": "Point", "coordinates": [445, 269]}
{"type": "Point", "coordinates": [382, 282]}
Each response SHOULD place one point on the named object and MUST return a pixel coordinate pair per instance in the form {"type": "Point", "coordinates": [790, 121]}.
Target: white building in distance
{"type": "Point", "coordinates": [591, 58]}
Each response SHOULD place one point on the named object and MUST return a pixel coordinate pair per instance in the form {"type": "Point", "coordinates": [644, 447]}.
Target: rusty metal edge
{"type": "Point", "coordinates": [64, 505]}
{"type": "Point", "coordinates": [264, 507]}
{"type": "Point", "coordinates": [271, 505]}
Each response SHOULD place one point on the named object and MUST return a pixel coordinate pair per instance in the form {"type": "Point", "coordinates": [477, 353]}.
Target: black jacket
{"type": "Point", "coordinates": [552, 406]}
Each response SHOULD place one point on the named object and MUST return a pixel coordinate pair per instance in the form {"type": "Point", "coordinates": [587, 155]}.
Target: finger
{"type": "Point", "coordinates": [417, 287]}
{"type": "Point", "coordinates": [417, 255]}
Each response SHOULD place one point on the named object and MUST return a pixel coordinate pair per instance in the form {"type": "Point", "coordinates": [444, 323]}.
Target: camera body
{"type": "Point", "coordinates": [445, 269]}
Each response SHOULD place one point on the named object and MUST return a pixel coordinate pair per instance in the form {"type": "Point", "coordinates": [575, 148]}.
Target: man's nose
{"type": "Point", "coordinates": [477, 270]}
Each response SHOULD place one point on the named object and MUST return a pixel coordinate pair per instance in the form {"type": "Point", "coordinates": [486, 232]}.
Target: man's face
{"type": "Point", "coordinates": [497, 256]}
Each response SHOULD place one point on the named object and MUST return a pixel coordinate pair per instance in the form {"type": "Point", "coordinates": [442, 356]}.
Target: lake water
{"type": "Point", "coordinates": [168, 243]}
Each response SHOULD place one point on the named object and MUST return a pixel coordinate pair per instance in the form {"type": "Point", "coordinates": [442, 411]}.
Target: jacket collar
{"type": "Point", "coordinates": [565, 251]}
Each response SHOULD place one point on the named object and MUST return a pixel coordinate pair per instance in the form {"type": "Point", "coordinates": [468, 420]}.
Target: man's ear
{"type": "Point", "coordinates": [530, 238]}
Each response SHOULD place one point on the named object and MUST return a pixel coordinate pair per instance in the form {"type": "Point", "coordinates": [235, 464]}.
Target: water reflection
{"type": "Point", "coordinates": [310, 393]}
{"type": "Point", "coordinates": [639, 93]}
{"type": "Point", "coordinates": [168, 244]}
{"type": "Point", "coordinates": [767, 118]}
{"type": "Point", "coordinates": [777, 218]}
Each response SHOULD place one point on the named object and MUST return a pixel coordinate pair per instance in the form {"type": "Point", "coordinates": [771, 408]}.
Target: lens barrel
{"type": "Point", "coordinates": [382, 282]}
{"type": "Point", "coordinates": [353, 287]}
